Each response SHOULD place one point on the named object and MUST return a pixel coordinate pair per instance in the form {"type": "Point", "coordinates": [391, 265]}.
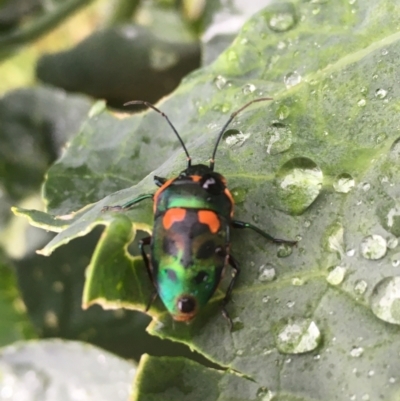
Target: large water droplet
{"type": "Point", "coordinates": [234, 137]}
{"type": "Point", "coordinates": [385, 300]}
{"type": "Point", "coordinates": [373, 247]}
{"type": "Point", "coordinates": [298, 183]}
{"type": "Point", "coordinates": [344, 183]}
{"type": "Point", "coordinates": [282, 21]}
{"type": "Point", "coordinates": [356, 352]}
{"type": "Point", "coordinates": [361, 103]}
{"type": "Point", "coordinates": [279, 138]}
{"type": "Point", "coordinates": [292, 79]}
{"type": "Point", "coordinates": [266, 272]}
{"type": "Point", "coordinates": [336, 275]}
{"type": "Point", "coordinates": [298, 336]}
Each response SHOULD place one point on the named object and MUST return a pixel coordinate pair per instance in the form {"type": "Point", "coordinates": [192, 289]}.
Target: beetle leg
{"type": "Point", "coordinates": [127, 205]}
{"type": "Point", "coordinates": [159, 181]}
{"type": "Point", "coordinates": [236, 271]}
{"type": "Point", "coordinates": [142, 243]}
{"type": "Point", "coordinates": [242, 224]}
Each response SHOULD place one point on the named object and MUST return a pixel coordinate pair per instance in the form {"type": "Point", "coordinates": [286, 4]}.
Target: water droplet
{"type": "Point", "coordinates": [239, 352]}
{"type": "Point", "coordinates": [283, 112]}
{"type": "Point", "coordinates": [360, 287]}
{"type": "Point", "coordinates": [380, 93]}
{"type": "Point", "coordinates": [356, 352]}
{"type": "Point", "coordinates": [266, 272]}
{"type": "Point", "coordinates": [344, 183]}
{"type": "Point", "coordinates": [371, 373]}
{"type": "Point", "coordinates": [297, 281]}
{"type": "Point", "coordinates": [385, 300]}
{"type": "Point", "coordinates": [234, 137]}
{"type": "Point", "coordinates": [279, 138]}
{"type": "Point", "coordinates": [231, 55]}
{"type": "Point", "coordinates": [365, 397]}
{"type": "Point", "coordinates": [284, 250]}
{"type": "Point", "coordinates": [290, 304]}
{"type": "Point", "coordinates": [237, 324]}
{"type": "Point", "coordinates": [373, 247]}
{"type": "Point", "coordinates": [248, 88]}
{"type": "Point", "coordinates": [265, 299]}
{"type": "Point", "coordinates": [220, 81]}
{"type": "Point", "coordinates": [239, 194]}
{"type": "Point", "coordinates": [384, 52]}
{"type": "Point", "coordinates": [298, 183]}
{"type": "Point", "coordinates": [282, 21]}
{"type": "Point", "coordinates": [361, 103]}
{"type": "Point", "coordinates": [351, 252]}
{"type": "Point", "coordinates": [380, 137]}
{"type": "Point", "coordinates": [298, 336]}
{"type": "Point", "coordinates": [264, 394]}
{"type": "Point", "coordinates": [392, 380]}
{"type": "Point", "coordinates": [336, 275]}
{"type": "Point", "coordinates": [307, 223]}
{"type": "Point", "coordinates": [365, 186]}
{"type": "Point", "coordinates": [335, 239]}
{"type": "Point", "coordinates": [292, 79]}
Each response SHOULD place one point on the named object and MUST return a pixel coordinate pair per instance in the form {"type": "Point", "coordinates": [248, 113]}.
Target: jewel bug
{"type": "Point", "coordinates": [190, 243]}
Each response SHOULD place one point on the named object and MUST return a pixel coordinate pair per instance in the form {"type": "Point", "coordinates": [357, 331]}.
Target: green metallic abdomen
{"type": "Point", "coordinates": [188, 256]}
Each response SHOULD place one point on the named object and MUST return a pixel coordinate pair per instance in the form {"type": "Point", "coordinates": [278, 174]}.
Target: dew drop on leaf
{"type": "Point", "coordinates": [361, 103]}
{"type": "Point", "coordinates": [385, 300]}
{"type": "Point", "coordinates": [234, 137]}
{"type": "Point", "coordinates": [298, 336]}
{"type": "Point", "coordinates": [373, 247]}
{"type": "Point", "coordinates": [266, 272]}
{"type": "Point", "coordinates": [356, 352]}
{"type": "Point", "coordinates": [360, 287]}
{"type": "Point", "coordinates": [283, 112]}
{"type": "Point", "coordinates": [344, 183]}
{"type": "Point", "coordinates": [278, 138]}
{"type": "Point", "coordinates": [248, 88]}
{"type": "Point", "coordinates": [336, 275]}
{"type": "Point", "coordinates": [292, 79]}
{"type": "Point", "coordinates": [298, 183]}
{"type": "Point", "coordinates": [263, 394]}
{"type": "Point", "coordinates": [239, 194]}
{"type": "Point", "coordinates": [282, 21]}
{"type": "Point", "coordinates": [220, 81]}
{"type": "Point", "coordinates": [284, 251]}
{"type": "Point", "coordinates": [380, 93]}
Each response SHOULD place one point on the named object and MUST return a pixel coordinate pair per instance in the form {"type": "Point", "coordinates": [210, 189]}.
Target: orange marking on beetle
{"type": "Point", "coordinates": [158, 192]}
{"type": "Point", "coordinates": [230, 197]}
{"type": "Point", "coordinates": [196, 178]}
{"type": "Point", "coordinates": [210, 218]}
{"type": "Point", "coordinates": [172, 216]}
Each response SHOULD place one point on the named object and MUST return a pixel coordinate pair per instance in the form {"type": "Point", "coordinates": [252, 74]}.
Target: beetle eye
{"type": "Point", "coordinates": [201, 277]}
{"type": "Point", "coordinates": [186, 304]}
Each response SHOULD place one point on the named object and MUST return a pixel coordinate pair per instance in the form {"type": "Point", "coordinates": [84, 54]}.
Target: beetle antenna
{"type": "Point", "coordinates": [188, 158]}
{"type": "Point", "coordinates": [233, 115]}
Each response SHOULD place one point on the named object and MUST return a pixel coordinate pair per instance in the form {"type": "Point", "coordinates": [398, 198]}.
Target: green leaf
{"type": "Point", "coordinates": [14, 323]}
{"type": "Point", "coordinates": [177, 379]}
{"type": "Point", "coordinates": [59, 370]}
{"type": "Point", "coordinates": [319, 163]}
